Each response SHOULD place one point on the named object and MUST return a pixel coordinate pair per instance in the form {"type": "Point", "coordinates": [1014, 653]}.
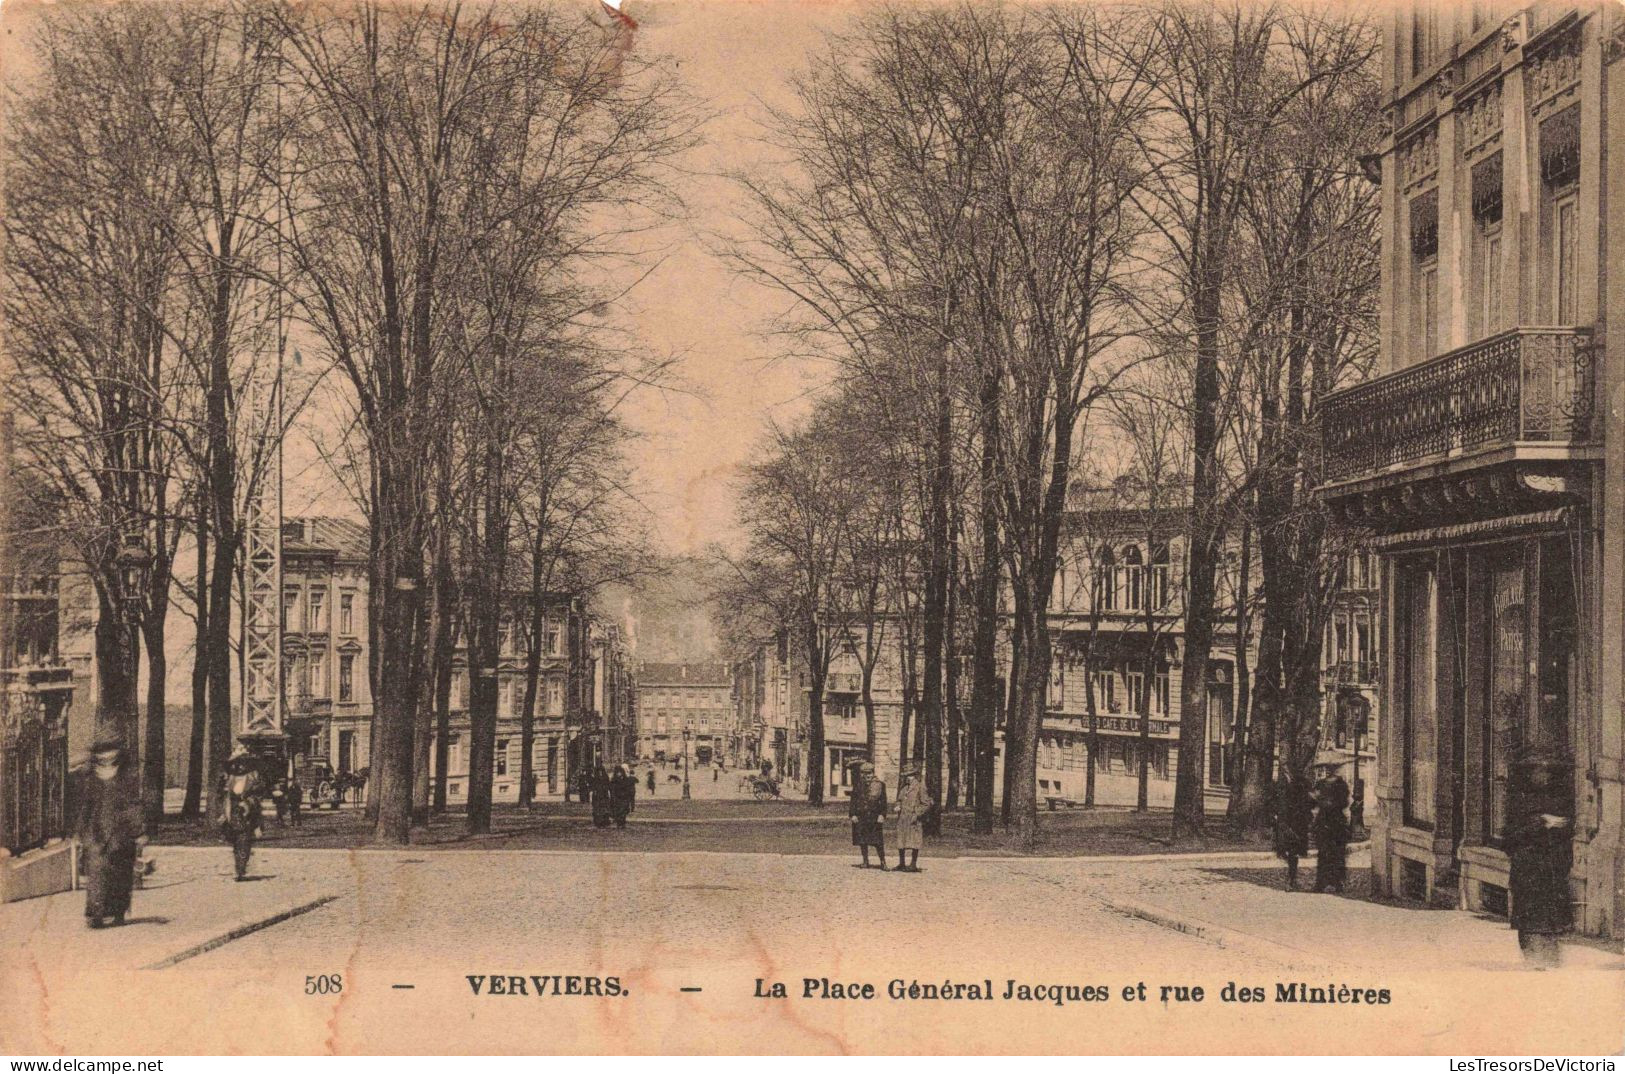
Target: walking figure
{"type": "Point", "coordinates": [599, 790]}
{"type": "Point", "coordinates": [649, 779]}
{"type": "Point", "coordinates": [867, 807]}
{"type": "Point", "coordinates": [1292, 809]}
{"type": "Point", "coordinates": [242, 791]}
{"type": "Point", "coordinates": [108, 823]}
{"type": "Point", "coordinates": [1331, 825]}
{"type": "Point", "coordinates": [623, 794]}
{"type": "Point", "coordinates": [913, 804]}
{"type": "Point", "coordinates": [1539, 835]}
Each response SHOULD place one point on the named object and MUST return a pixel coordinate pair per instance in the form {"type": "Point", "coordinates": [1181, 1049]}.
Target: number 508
{"type": "Point", "coordinates": [324, 985]}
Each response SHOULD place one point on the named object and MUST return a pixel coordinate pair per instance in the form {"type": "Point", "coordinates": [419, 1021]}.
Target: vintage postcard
{"type": "Point", "coordinates": [805, 526]}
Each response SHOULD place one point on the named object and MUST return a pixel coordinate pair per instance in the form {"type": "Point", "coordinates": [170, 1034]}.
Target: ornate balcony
{"type": "Point", "coordinates": [1526, 394]}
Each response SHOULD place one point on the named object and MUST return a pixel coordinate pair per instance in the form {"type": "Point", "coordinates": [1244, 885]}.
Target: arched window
{"type": "Point", "coordinates": [1105, 579]}
{"type": "Point", "coordinates": [1133, 578]}
{"type": "Point", "coordinates": [1160, 576]}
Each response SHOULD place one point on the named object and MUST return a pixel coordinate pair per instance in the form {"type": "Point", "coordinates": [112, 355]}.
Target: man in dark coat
{"type": "Point", "coordinates": [107, 820]}
{"type": "Point", "coordinates": [1331, 826]}
{"type": "Point", "coordinates": [649, 778]}
{"type": "Point", "coordinates": [867, 809]}
{"type": "Point", "coordinates": [1539, 843]}
{"type": "Point", "coordinates": [599, 789]}
{"type": "Point", "coordinates": [1292, 808]}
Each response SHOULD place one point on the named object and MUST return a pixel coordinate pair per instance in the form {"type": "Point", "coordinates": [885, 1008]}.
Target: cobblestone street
{"type": "Point", "coordinates": [381, 921]}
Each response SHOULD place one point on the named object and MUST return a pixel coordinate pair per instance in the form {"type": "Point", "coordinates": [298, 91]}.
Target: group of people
{"type": "Point", "coordinates": [614, 795]}
{"type": "Point", "coordinates": [1314, 811]}
{"type": "Point", "coordinates": [867, 810]}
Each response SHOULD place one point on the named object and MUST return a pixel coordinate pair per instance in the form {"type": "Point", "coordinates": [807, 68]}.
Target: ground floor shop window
{"type": "Point", "coordinates": [1417, 636]}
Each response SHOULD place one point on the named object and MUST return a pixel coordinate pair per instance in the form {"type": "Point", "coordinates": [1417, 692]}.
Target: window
{"type": "Point", "coordinates": [318, 674]}
{"type": "Point", "coordinates": [1560, 237]}
{"type": "Point", "coordinates": [1486, 299]}
{"type": "Point", "coordinates": [1424, 36]}
{"type": "Point", "coordinates": [1417, 628]}
{"type": "Point", "coordinates": [1160, 576]}
{"type": "Point", "coordinates": [346, 677]}
{"type": "Point", "coordinates": [505, 697]}
{"type": "Point", "coordinates": [1134, 686]}
{"type": "Point", "coordinates": [1105, 688]}
{"type": "Point", "coordinates": [459, 689]}
{"type": "Point", "coordinates": [553, 639]}
{"type": "Point", "coordinates": [555, 697]}
{"type": "Point", "coordinates": [1425, 272]}
{"type": "Point", "coordinates": [290, 609]}
{"type": "Point", "coordinates": [1105, 581]}
{"type": "Point", "coordinates": [1057, 680]}
{"type": "Point", "coordinates": [347, 613]}
{"type": "Point", "coordinates": [1133, 579]}
{"type": "Point", "coordinates": [505, 637]}
{"type": "Point", "coordinates": [454, 754]}
{"type": "Point", "coordinates": [1508, 626]}
{"type": "Point", "coordinates": [316, 611]}
{"type": "Point", "coordinates": [1161, 697]}
{"type": "Point", "coordinates": [502, 757]}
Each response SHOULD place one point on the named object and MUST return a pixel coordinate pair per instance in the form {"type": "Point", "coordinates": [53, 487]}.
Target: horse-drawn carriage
{"type": "Point", "coordinates": [325, 787]}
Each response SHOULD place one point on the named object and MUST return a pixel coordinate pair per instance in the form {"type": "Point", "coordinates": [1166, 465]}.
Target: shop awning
{"type": "Point", "coordinates": [1487, 529]}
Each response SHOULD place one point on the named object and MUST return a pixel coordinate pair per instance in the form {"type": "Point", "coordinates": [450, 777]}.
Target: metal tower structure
{"type": "Point", "coordinates": [262, 694]}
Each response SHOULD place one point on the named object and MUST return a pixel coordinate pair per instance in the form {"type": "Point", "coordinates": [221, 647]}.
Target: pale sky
{"type": "Point", "coordinates": [735, 56]}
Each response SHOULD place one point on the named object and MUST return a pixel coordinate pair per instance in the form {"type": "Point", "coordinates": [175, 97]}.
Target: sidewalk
{"type": "Point", "coordinates": [190, 905]}
{"type": "Point", "coordinates": [1246, 908]}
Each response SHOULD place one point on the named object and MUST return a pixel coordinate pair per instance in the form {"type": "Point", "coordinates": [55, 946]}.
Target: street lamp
{"type": "Point", "coordinates": [132, 560]}
{"type": "Point", "coordinates": [687, 734]}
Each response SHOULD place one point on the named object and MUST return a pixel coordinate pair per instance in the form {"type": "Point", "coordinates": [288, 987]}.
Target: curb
{"type": "Point", "coordinates": [1218, 935]}
{"type": "Point", "coordinates": [239, 932]}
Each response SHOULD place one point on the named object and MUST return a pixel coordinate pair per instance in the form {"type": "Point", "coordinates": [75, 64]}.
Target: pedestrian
{"type": "Point", "coordinates": [108, 823]}
{"type": "Point", "coordinates": [279, 800]}
{"type": "Point", "coordinates": [716, 772]}
{"type": "Point", "coordinates": [866, 809]}
{"type": "Point", "coordinates": [242, 791]}
{"type": "Point", "coordinates": [1292, 809]}
{"type": "Point", "coordinates": [1331, 824]}
{"type": "Point", "coordinates": [1539, 843]}
{"type": "Point", "coordinates": [623, 794]}
{"type": "Point", "coordinates": [649, 779]}
{"type": "Point", "coordinates": [909, 814]}
{"type": "Point", "coordinates": [599, 790]}
{"type": "Point", "coordinates": [296, 802]}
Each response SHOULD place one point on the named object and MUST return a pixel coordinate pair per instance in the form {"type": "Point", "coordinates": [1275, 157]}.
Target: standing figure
{"type": "Point", "coordinates": [866, 810]}
{"type": "Point", "coordinates": [1292, 809]}
{"type": "Point", "coordinates": [909, 814]}
{"type": "Point", "coordinates": [107, 821]}
{"type": "Point", "coordinates": [599, 790]}
{"type": "Point", "coordinates": [242, 790]}
{"type": "Point", "coordinates": [649, 779]}
{"type": "Point", "coordinates": [623, 793]}
{"type": "Point", "coordinates": [279, 800]}
{"type": "Point", "coordinates": [1539, 834]}
{"type": "Point", "coordinates": [296, 801]}
{"type": "Point", "coordinates": [1331, 825]}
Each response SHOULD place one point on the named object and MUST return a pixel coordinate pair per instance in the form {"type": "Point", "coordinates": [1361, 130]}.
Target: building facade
{"type": "Point", "coordinates": [687, 709]}
{"type": "Point", "coordinates": [1117, 626]}
{"type": "Point", "coordinates": [1482, 463]}
{"type": "Point", "coordinates": [326, 650]}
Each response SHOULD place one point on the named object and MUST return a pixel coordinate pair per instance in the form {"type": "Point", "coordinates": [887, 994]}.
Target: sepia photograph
{"type": "Point", "coordinates": [812, 527]}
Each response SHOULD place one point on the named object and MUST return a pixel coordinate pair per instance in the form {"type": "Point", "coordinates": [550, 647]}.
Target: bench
{"type": "Point", "coordinates": [1053, 800]}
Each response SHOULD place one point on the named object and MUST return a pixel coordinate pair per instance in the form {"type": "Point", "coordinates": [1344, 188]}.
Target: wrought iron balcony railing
{"type": "Point", "coordinates": [1526, 385]}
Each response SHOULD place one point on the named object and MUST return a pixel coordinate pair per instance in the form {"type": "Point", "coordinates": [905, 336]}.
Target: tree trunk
{"type": "Point", "coordinates": [1205, 528]}
{"type": "Point", "coordinates": [118, 652]}
{"type": "Point", "coordinates": [222, 582]}
{"type": "Point", "coordinates": [192, 804]}
{"type": "Point", "coordinates": [815, 714]}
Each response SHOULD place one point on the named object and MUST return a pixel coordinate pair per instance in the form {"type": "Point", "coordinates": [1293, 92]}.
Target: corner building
{"type": "Point", "coordinates": [1484, 463]}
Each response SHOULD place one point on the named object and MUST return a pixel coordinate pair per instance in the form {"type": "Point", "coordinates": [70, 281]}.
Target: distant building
{"type": "Point", "coordinates": [695, 698]}
{"type": "Point", "coordinates": [326, 649]}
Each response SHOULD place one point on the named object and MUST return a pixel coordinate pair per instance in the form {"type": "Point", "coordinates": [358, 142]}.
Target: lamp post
{"type": "Point", "coordinates": [132, 561]}
{"type": "Point", "coordinates": [687, 734]}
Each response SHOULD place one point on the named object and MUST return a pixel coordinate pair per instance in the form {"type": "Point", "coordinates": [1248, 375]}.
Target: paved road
{"type": "Point", "coordinates": [660, 923]}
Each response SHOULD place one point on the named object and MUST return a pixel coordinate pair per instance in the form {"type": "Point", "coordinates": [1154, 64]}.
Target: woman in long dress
{"type": "Point", "coordinates": [1331, 826]}
{"type": "Point", "coordinates": [909, 815]}
{"type": "Point", "coordinates": [108, 824]}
